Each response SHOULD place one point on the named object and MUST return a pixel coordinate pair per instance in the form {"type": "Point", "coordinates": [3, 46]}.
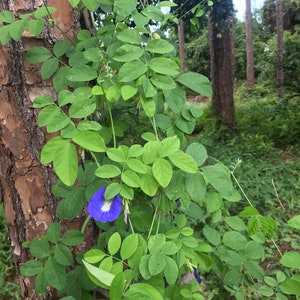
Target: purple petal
{"type": "Point", "coordinates": [196, 275]}
{"type": "Point", "coordinates": [102, 210]}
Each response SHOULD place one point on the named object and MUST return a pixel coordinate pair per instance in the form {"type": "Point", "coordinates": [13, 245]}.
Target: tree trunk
{"type": "Point", "coordinates": [25, 184]}
{"type": "Point", "coordinates": [222, 62]}
{"type": "Point", "coordinates": [181, 45]}
{"type": "Point", "coordinates": [279, 26]}
{"type": "Point", "coordinates": [249, 43]}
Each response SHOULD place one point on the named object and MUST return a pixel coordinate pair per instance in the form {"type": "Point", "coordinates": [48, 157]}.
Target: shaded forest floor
{"type": "Point", "coordinates": [268, 146]}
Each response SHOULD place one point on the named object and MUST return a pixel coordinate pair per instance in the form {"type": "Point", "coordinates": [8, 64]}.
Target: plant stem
{"type": "Point", "coordinates": [152, 224]}
{"type": "Point", "coordinates": [85, 223]}
{"type": "Point", "coordinates": [112, 124]}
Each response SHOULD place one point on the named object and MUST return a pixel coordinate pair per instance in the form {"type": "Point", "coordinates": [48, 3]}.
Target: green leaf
{"type": "Point", "coordinates": [234, 240]}
{"type": "Point", "coordinates": [131, 178]}
{"type": "Point", "coordinates": [235, 223]}
{"type": "Point", "coordinates": [90, 140]}
{"type": "Point", "coordinates": [82, 107]}
{"type": "Point", "coordinates": [53, 232]}
{"type": "Point", "coordinates": [142, 291]}
{"type": "Point", "coordinates": [55, 274]}
{"type": "Point", "coordinates": [186, 126]}
{"type": "Point", "coordinates": [63, 255]}
{"type": "Point", "coordinates": [163, 82]}
{"type": "Point", "coordinates": [31, 268]}
{"type": "Point", "coordinates": [254, 250]}
{"type": "Point", "coordinates": [117, 286]}
{"type": "Point", "coordinates": [104, 277]}
{"type": "Point", "coordinates": [40, 247]}
{"type": "Point", "coordinates": [38, 54]}
{"type": "Point", "coordinates": [88, 125]}
{"type": "Point", "coordinates": [219, 178]}
{"type": "Point", "coordinates": [6, 16]}
{"type": "Point", "coordinates": [295, 222]}
{"type": "Point", "coordinates": [132, 70]}
{"type": "Point", "coordinates": [72, 238]}
{"type": "Point", "coordinates": [127, 53]}
{"type": "Point", "coordinates": [149, 89]}
{"type": "Point", "coordinates": [65, 163]}
{"type": "Point", "coordinates": [249, 211]}
{"type": "Point", "coordinates": [149, 185]}
{"type": "Point", "coordinates": [148, 105]}
{"type": "Point", "coordinates": [254, 270]}
{"type": "Point", "coordinates": [93, 256]}
{"type": "Point", "coordinates": [61, 47]}
{"type": "Point", "coordinates": [153, 13]}
{"type": "Point", "coordinates": [49, 67]}
{"type": "Point", "coordinates": [81, 73]}
{"type": "Point", "coordinates": [137, 166]}
{"type": "Point", "coordinates": [290, 287]}
{"type": "Point", "coordinates": [162, 171]}
{"type": "Point", "coordinates": [129, 246]}
{"type": "Point", "coordinates": [108, 171]}
{"type": "Point", "coordinates": [128, 92]}
{"type": "Point", "coordinates": [196, 82]}
{"type": "Point", "coordinates": [195, 186]}
{"type": "Point", "coordinates": [17, 28]}
{"type": "Point", "coordinates": [166, 4]}
{"type": "Point", "coordinates": [130, 36]}
{"type": "Point", "coordinates": [291, 259]}
{"type": "Point", "coordinates": [91, 5]}
{"type": "Point", "coordinates": [184, 162]}
{"type": "Point", "coordinates": [35, 26]}
{"type": "Point", "coordinates": [175, 99]}
{"type": "Point", "coordinates": [213, 201]}
{"type": "Point", "coordinates": [44, 11]}
{"type": "Point", "coordinates": [49, 149]}
{"type": "Point", "coordinates": [4, 35]}
{"type": "Point", "coordinates": [124, 8]}
{"type": "Point", "coordinates": [53, 118]}
{"type": "Point", "coordinates": [116, 154]}
{"type": "Point", "coordinates": [164, 65]}
{"type": "Point", "coordinates": [151, 152]}
{"type": "Point", "coordinates": [156, 263]}
{"type": "Point", "coordinates": [171, 271]}
{"type": "Point", "coordinates": [159, 46]}
{"type": "Point", "coordinates": [168, 146]}
{"type": "Point", "coordinates": [42, 101]}
{"type": "Point", "coordinates": [213, 236]}
{"type": "Point", "coordinates": [74, 2]}
{"type": "Point", "coordinates": [114, 243]}
{"type": "Point", "coordinates": [198, 152]}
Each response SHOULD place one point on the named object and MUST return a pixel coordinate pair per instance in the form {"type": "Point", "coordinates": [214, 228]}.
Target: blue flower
{"type": "Point", "coordinates": [103, 210]}
{"type": "Point", "coordinates": [196, 275]}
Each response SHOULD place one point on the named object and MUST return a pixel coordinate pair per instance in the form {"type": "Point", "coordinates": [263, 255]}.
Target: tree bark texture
{"type": "Point", "coordinates": [181, 45]}
{"type": "Point", "coordinates": [24, 183]}
{"type": "Point", "coordinates": [249, 45]}
{"type": "Point", "coordinates": [222, 62]}
{"type": "Point", "coordinates": [279, 28]}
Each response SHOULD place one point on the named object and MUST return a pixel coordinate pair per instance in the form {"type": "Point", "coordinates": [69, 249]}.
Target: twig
{"type": "Point", "coordinates": [277, 196]}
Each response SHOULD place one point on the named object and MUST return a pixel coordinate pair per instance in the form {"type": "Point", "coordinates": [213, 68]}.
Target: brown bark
{"type": "Point", "coordinates": [279, 26]}
{"type": "Point", "coordinates": [222, 63]}
{"type": "Point", "coordinates": [249, 43]}
{"type": "Point", "coordinates": [181, 45]}
{"type": "Point", "coordinates": [26, 185]}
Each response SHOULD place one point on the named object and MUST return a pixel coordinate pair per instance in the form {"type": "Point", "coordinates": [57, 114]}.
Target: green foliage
{"type": "Point", "coordinates": [176, 199]}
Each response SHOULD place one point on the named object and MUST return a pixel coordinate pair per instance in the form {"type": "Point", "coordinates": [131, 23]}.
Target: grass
{"type": "Point", "coordinates": [8, 287]}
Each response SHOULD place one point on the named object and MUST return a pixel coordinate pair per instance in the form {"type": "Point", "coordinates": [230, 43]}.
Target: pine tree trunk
{"type": "Point", "coordinates": [279, 26]}
{"type": "Point", "coordinates": [25, 184]}
{"type": "Point", "coordinates": [249, 43]}
{"type": "Point", "coordinates": [222, 63]}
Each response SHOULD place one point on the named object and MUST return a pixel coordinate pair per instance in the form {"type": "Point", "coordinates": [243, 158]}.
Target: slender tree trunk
{"type": "Point", "coordinates": [25, 184]}
{"type": "Point", "coordinates": [279, 26]}
{"type": "Point", "coordinates": [222, 62]}
{"type": "Point", "coordinates": [181, 45]}
{"type": "Point", "coordinates": [249, 43]}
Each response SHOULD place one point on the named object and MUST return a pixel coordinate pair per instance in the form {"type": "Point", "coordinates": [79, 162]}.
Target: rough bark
{"type": "Point", "coordinates": [25, 184]}
{"type": "Point", "coordinates": [249, 46]}
{"type": "Point", "coordinates": [222, 62]}
{"type": "Point", "coordinates": [181, 45]}
{"type": "Point", "coordinates": [279, 28]}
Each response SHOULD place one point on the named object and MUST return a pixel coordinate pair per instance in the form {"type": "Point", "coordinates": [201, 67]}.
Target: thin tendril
{"type": "Point", "coordinates": [112, 125]}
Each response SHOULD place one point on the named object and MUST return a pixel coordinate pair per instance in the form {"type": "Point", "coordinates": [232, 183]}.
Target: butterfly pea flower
{"type": "Point", "coordinates": [104, 210]}
{"type": "Point", "coordinates": [196, 275]}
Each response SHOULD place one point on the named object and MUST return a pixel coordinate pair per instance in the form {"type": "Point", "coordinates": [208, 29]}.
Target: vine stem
{"type": "Point", "coordinates": [85, 223]}
{"type": "Point", "coordinates": [112, 124]}
{"type": "Point", "coordinates": [241, 189]}
{"type": "Point", "coordinates": [152, 224]}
